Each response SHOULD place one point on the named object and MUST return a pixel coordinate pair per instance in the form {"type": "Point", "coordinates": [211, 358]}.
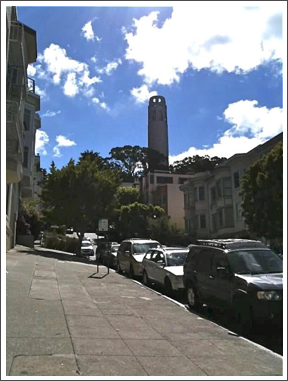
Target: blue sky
{"type": "Point", "coordinates": [220, 70]}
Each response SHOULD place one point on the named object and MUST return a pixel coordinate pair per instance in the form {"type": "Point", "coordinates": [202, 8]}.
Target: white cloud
{"type": "Point", "coordinates": [101, 104]}
{"type": "Point", "coordinates": [246, 118]}
{"type": "Point", "coordinates": [70, 86]}
{"type": "Point", "coordinates": [88, 32]}
{"type": "Point", "coordinates": [60, 69]}
{"type": "Point", "coordinates": [62, 141]}
{"type": "Point", "coordinates": [57, 152]}
{"type": "Point", "coordinates": [142, 94]}
{"type": "Point", "coordinates": [49, 113]}
{"type": "Point", "coordinates": [110, 67]}
{"type": "Point", "coordinates": [89, 92]}
{"type": "Point", "coordinates": [42, 93]}
{"type": "Point", "coordinates": [219, 37]}
{"type": "Point", "coordinates": [93, 59]}
{"type": "Point", "coordinates": [42, 139]}
{"type": "Point", "coordinates": [31, 71]}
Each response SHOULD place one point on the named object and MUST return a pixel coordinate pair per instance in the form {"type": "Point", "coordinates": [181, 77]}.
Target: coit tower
{"type": "Point", "coordinates": [158, 128]}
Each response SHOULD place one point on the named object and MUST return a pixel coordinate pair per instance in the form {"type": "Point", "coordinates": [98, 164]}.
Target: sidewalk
{"type": "Point", "coordinates": [63, 322]}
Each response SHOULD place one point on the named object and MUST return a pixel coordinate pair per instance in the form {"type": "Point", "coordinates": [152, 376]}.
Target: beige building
{"type": "Point", "coordinates": [21, 50]}
{"type": "Point", "coordinates": [162, 188]}
{"type": "Point", "coordinates": [212, 201]}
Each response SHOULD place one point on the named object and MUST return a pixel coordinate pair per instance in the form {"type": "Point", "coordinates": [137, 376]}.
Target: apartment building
{"type": "Point", "coordinates": [161, 188]}
{"type": "Point", "coordinates": [21, 50]}
{"type": "Point", "coordinates": [212, 201]}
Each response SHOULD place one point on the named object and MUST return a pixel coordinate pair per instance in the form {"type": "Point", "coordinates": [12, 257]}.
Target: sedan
{"type": "Point", "coordinates": [165, 267]}
{"type": "Point", "coordinates": [87, 249]}
{"type": "Point", "coordinates": [109, 257]}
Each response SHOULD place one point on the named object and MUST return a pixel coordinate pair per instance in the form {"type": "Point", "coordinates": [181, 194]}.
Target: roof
{"type": "Point", "coordinates": [231, 244]}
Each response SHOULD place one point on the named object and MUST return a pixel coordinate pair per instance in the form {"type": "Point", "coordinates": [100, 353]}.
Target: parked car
{"type": "Point", "coordinates": [165, 267]}
{"type": "Point", "coordinates": [131, 253]}
{"type": "Point", "coordinates": [241, 276]}
{"type": "Point", "coordinates": [69, 231]}
{"type": "Point", "coordinates": [109, 256]}
{"type": "Point", "coordinates": [87, 248]}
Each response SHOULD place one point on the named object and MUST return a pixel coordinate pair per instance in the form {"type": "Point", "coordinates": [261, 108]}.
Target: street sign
{"type": "Point", "coordinates": [103, 225]}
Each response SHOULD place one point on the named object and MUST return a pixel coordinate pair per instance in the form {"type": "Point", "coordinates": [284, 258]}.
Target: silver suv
{"type": "Point", "coordinates": [131, 253]}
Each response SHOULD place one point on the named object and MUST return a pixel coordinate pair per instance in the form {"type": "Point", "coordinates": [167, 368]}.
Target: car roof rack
{"type": "Point", "coordinates": [231, 244]}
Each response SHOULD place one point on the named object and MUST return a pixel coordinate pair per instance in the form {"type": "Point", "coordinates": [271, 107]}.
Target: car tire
{"type": "Point", "coordinates": [146, 280]}
{"type": "Point", "coordinates": [131, 271]}
{"type": "Point", "coordinates": [168, 286]}
{"type": "Point", "coordinates": [119, 270]}
{"type": "Point", "coordinates": [243, 316]}
{"type": "Point", "coordinates": [192, 297]}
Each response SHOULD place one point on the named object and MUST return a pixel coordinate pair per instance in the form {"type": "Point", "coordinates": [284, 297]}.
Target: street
{"type": "Point", "coordinates": [64, 319]}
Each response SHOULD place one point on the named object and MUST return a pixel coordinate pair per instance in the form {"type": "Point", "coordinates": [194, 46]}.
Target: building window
{"type": "Point", "coordinates": [213, 195]}
{"type": "Point", "coordinates": [186, 226]}
{"type": "Point", "coordinates": [151, 179]}
{"type": "Point", "coordinates": [182, 180]}
{"type": "Point", "coordinates": [238, 211]}
{"type": "Point", "coordinates": [227, 187]}
{"type": "Point", "coordinates": [229, 220]}
{"type": "Point", "coordinates": [220, 217]}
{"type": "Point", "coordinates": [201, 193]}
{"type": "Point", "coordinates": [219, 188]}
{"type": "Point", "coordinates": [185, 200]}
{"type": "Point", "coordinates": [27, 117]}
{"type": "Point", "coordinates": [190, 199]}
{"type": "Point", "coordinates": [236, 180]}
{"type": "Point", "coordinates": [202, 221]}
{"type": "Point", "coordinates": [164, 199]}
{"type": "Point", "coordinates": [164, 180]}
{"type": "Point", "coordinates": [196, 193]}
{"type": "Point", "coordinates": [26, 155]}
{"type": "Point", "coordinates": [214, 222]}
{"type": "Point", "coordinates": [196, 221]}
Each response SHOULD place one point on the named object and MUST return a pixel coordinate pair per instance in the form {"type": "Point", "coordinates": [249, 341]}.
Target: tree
{"type": "Point", "coordinates": [262, 195]}
{"type": "Point", "coordinates": [196, 164]}
{"type": "Point", "coordinates": [135, 159]}
{"type": "Point", "coordinates": [30, 218]}
{"type": "Point", "coordinates": [133, 219]}
{"type": "Point", "coordinates": [102, 162]}
{"type": "Point", "coordinates": [79, 194]}
{"type": "Point", "coordinates": [127, 195]}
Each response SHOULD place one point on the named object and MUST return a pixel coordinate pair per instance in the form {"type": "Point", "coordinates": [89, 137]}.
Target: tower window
{"type": "Point", "coordinates": [159, 100]}
{"type": "Point", "coordinates": [154, 115]}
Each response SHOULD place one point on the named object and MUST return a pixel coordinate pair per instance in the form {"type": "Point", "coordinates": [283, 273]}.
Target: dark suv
{"type": "Point", "coordinates": [242, 276]}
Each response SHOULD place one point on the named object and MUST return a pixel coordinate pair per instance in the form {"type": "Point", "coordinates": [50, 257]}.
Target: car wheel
{"type": "Point", "coordinates": [119, 270]}
{"type": "Point", "coordinates": [243, 316]}
{"type": "Point", "coordinates": [192, 298]}
{"type": "Point", "coordinates": [131, 271]}
{"type": "Point", "coordinates": [146, 280]}
{"type": "Point", "coordinates": [168, 286]}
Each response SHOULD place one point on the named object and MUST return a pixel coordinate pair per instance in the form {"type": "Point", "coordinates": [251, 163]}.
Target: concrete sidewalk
{"type": "Point", "coordinates": [63, 322]}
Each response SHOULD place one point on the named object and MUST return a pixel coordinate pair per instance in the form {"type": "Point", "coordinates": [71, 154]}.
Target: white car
{"type": "Point", "coordinates": [131, 253]}
{"type": "Point", "coordinates": [87, 248]}
{"type": "Point", "coordinates": [165, 267]}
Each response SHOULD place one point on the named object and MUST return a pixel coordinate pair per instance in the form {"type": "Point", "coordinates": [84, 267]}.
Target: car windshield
{"type": "Point", "coordinates": [85, 244]}
{"type": "Point", "coordinates": [141, 248]}
{"type": "Point", "coordinates": [255, 262]}
{"type": "Point", "coordinates": [176, 258]}
{"type": "Point", "coordinates": [115, 248]}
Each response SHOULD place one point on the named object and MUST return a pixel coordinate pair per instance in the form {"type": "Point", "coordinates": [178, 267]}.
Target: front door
{"type": "Point", "coordinates": [222, 280]}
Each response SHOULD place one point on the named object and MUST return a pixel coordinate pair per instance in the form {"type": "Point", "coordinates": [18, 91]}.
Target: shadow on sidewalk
{"type": "Point", "coordinates": [46, 253]}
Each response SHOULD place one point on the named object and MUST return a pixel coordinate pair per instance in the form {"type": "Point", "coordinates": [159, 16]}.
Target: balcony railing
{"type": "Point", "coordinates": [17, 53]}
{"type": "Point", "coordinates": [14, 120]}
{"type": "Point", "coordinates": [16, 83]}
